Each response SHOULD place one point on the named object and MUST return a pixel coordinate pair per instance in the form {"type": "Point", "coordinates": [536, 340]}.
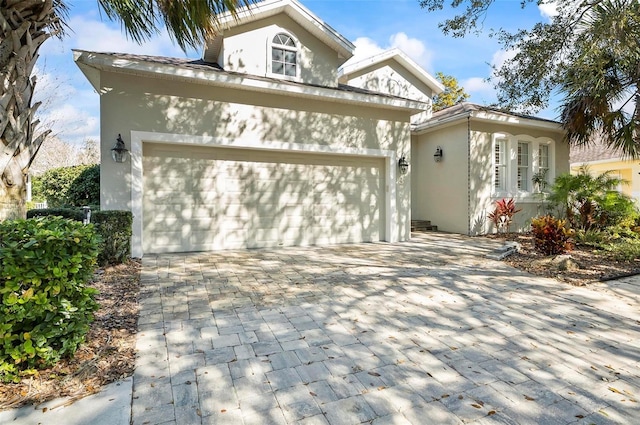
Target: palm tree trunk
{"type": "Point", "coordinates": [23, 29]}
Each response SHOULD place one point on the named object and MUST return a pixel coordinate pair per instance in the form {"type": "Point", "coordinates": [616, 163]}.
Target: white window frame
{"type": "Point", "coordinates": [500, 164]}
{"type": "Point", "coordinates": [548, 167]}
{"type": "Point", "coordinates": [523, 185]}
{"type": "Point", "coordinates": [271, 45]}
{"type": "Point", "coordinates": [510, 141]}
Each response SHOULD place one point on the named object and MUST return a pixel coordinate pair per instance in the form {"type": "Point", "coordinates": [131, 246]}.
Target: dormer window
{"type": "Point", "coordinates": [284, 56]}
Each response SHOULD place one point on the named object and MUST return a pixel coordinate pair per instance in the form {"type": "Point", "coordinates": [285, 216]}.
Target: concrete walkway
{"type": "Point", "coordinates": [424, 332]}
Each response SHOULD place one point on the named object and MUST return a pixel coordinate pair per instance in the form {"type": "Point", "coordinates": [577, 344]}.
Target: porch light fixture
{"type": "Point", "coordinates": [403, 165]}
{"type": "Point", "coordinates": [119, 151]}
{"type": "Point", "coordinates": [438, 155]}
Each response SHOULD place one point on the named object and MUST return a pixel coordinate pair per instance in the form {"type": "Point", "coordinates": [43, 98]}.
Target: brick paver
{"type": "Point", "coordinates": [427, 331]}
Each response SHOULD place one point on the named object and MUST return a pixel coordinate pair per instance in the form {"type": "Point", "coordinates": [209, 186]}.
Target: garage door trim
{"type": "Point", "coordinates": [138, 137]}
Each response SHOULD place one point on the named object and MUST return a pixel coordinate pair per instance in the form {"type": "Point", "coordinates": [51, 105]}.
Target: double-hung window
{"type": "Point", "coordinates": [500, 165]}
{"type": "Point", "coordinates": [524, 162]}
{"type": "Point", "coordinates": [518, 161]}
{"type": "Point", "coordinates": [543, 162]}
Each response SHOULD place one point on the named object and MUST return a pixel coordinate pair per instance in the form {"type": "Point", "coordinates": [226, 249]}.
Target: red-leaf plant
{"type": "Point", "coordinates": [502, 215]}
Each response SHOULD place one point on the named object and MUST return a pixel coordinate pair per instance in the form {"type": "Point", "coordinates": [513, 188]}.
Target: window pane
{"type": "Point", "coordinates": [499, 172]}
{"type": "Point", "coordinates": [523, 154]}
{"type": "Point", "coordinates": [523, 166]}
{"type": "Point", "coordinates": [277, 54]}
{"type": "Point", "coordinates": [277, 68]}
{"type": "Point", "coordinates": [284, 40]}
{"type": "Point", "coordinates": [544, 156]}
{"type": "Point", "coordinates": [290, 57]}
{"type": "Point", "coordinates": [290, 70]}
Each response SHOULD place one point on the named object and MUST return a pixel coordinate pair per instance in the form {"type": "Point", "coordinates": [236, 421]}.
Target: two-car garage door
{"type": "Point", "coordinates": [200, 199]}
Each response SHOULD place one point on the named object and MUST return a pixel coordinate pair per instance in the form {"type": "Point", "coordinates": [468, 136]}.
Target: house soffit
{"type": "Point", "coordinates": [443, 119]}
{"type": "Point", "coordinates": [199, 72]}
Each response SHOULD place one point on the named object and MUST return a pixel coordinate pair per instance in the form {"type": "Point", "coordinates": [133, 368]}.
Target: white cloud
{"type": "Point", "coordinates": [501, 56]}
{"type": "Point", "coordinates": [548, 10]}
{"type": "Point", "coordinates": [477, 85]}
{"type": "Point", "coordinates": [413, 47]}
{"type": "Point", "coordinates": [365, 47]}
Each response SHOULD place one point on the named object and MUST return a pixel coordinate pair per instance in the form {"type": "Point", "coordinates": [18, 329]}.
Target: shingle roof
{"type": "Point", "coordinates": [596, 151]}
{"type": "Point", "coordinates": [464, 107]}
{"type": "Point", "coordinates": [199, 64]}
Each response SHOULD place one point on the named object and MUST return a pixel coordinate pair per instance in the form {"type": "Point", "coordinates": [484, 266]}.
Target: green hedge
{"type": "Point", "coordinates": [46, 309]}
{"type": "Point", "coordinates": [70, 213]}
{"type": "Point", "coordinates": [115, 229]}
{"type": "Point", "coordinates": [70, 186]}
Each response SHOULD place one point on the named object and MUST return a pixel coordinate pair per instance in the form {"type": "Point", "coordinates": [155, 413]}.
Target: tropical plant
{"type": "Point", "coordinates": [452, 94]}
{"type": "Point", "coordinates": [588, 50]}
{"type": "Point", "coordinates": [591, 202]}
{"type": "Point", "coordinates": [25, 25]}
{"type": "Point", "coordinates": [551, 236]}
{"type": "Point", "coordinates": [502, 215]}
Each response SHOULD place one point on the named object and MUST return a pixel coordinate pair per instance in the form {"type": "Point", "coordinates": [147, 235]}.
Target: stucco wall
{"type": "Point", "coordinates": [439, 189]}
{"type": "Point", "coordinates": [483, 195]}
{"type": "Point", "coordinates": [131, 103]}
{"type": "Point", "coordinates": [391, 78]}
{"type": "Point", "coordinates": [626, 170]}
{"type": "Point", "coordinates": [246, 49]}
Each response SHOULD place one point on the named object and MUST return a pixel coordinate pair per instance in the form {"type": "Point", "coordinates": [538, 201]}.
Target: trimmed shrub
{"type": "Point", "coordinates": [85, 189]}
{"type": "Point", "coordinates": [69, 213]}
{"type": "Point", "coordinates": [551, 235]}
{"type": "Point", "coordinates": [46, 309]}
{"type": "Point", "coordinates": [75, 186]}
{"type": "Point", "coordinates": [115, 229]}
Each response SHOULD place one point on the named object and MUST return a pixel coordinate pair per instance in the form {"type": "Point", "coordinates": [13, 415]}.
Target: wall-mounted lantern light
{"type": "Point", "coordinates": [119, 151]}
{"type": "Point", "coordinates": [403, 165]}
{"type": "Point", "coordinates": [438, 155]}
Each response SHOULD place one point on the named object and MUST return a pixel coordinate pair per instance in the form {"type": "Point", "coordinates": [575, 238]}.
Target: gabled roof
{"type": "Point", "coordinates": [201, 72]}
{"type": "Point", "coordinates": [348, 69]}
{"type": "Point", "coordinates": [296, 11]}
{"type": "Point", "coordinates": [467, 110]}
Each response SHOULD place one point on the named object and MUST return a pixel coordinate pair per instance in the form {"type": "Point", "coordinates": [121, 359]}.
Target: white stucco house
{"type": "Point", "coordinates": [275, 138]}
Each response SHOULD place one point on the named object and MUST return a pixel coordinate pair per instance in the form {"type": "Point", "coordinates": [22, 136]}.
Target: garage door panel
{"type": "Point", "coordinates": [216, 198]}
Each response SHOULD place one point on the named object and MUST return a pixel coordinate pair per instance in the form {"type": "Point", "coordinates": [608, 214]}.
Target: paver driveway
{"type": "Point", "coordinates": [423, 332]}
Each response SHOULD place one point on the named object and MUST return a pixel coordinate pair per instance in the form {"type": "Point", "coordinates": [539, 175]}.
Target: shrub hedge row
{"type": "Point", "coordinates": [46, 308]}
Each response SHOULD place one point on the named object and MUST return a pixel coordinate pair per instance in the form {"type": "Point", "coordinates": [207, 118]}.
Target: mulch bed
{"type": "Point", "coordinates": [594, 265]}
{"type": "Point", "coordinates": [108, 355]}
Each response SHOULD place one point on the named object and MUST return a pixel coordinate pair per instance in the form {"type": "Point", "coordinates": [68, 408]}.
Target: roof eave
{"type": "Point", "coordinates": [88, 61]}
{"type": "Point", "coordinates": [400, 57]}
{"type": "Point", "coordinates": [298, 13]}
{"type": "Point", "coordinates": [486, 116]}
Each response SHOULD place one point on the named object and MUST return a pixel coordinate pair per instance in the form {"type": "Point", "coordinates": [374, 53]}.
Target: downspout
{"type": "Point", "coordinates": [469, 175]}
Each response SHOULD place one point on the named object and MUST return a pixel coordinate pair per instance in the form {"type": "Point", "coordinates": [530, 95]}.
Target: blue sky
{"type": "Point", "coordinates": [71, 106]}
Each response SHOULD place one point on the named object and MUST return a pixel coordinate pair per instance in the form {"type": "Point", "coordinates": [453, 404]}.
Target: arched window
{"type": "Point", "coordinates": [284, 56]}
